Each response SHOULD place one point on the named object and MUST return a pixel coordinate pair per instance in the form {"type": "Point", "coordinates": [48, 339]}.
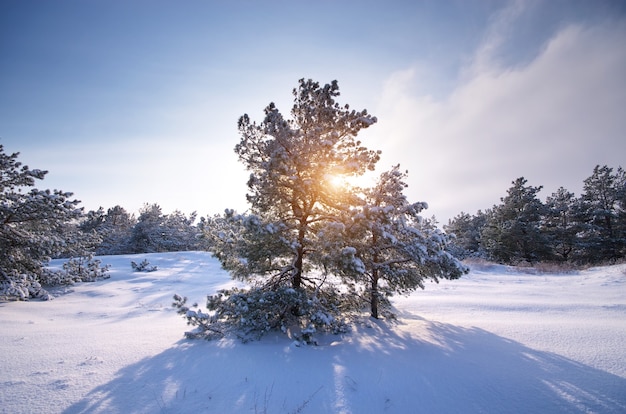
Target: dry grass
{"type": "Point", "coordinates": [541, 267]}
{"type": "Point", "coordinates": [557, 267]}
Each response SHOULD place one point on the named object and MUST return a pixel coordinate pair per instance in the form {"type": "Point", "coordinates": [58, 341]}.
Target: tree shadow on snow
{"type": "Point", "coordinates": [415, 366]}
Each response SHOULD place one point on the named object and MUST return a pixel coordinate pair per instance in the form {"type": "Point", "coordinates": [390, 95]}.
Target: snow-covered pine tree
{"type": "Point", "coordinates": [291, 164]}
{"type": "Point", "coordinates": [465, 230]}
{"type": "Point", "coordinates": [512, 233]}
{"type": "Point", "coordinates": [561, 226]}
{"type": "Point", "coordinates": [307, 244]}
{"type": "Point", "coordinates": [114, 228]}
{"type": "Point", "coordinates": [32, 225]}
{"type": "Point", "coordinates": [394, 250]}
{"type": "Point", "coordinates": [157, 232]}
{"type": "Point", "coordinates": [179, 231]}
{"type": "Point", "coordinates": [147, 234]}
{"type": "Point", "coordinates": [602, 206]}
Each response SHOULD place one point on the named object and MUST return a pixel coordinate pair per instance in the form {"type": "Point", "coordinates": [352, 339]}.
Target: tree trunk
{"type": "Point", "coordinates": [296, 280]}
{"type": "Point", "coordinates": [374, 286]}
{"type": "Point", "coordinates": [374, 294]}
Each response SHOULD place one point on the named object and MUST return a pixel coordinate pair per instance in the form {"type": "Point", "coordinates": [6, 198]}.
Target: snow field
{"type": "Point", "coordinates": [497, 340]}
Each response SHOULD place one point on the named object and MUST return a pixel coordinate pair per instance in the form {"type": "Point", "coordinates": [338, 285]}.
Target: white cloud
{"type": "Point", "coordinates": [497, 34]}
{"type": "Point", "coordinates": [550, 121]}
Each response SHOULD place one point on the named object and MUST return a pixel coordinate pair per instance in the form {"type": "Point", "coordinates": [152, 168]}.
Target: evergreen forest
{"type": "Point", "coordinates": [585, 230]}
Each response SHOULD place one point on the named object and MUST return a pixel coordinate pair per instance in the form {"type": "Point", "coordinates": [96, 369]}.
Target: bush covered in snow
{"type": "Point", "coordinates": [250, 313]}
{"type": "Point", "coordinates": [75, 270]}
{"type": "Point", "coordinates": [18, 286]}
{"type": "Point", "coordinates": [86, 269]}
{"type": "Point", "coordinates": [143, 266]}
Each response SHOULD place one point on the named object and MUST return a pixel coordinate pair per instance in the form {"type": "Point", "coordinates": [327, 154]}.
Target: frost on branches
{"type": "Point", "coordinates": [35, 225]}
{"type": "Point", "coordinates": [143, 266]}
{"type": "Point", "coordinates": [292, 163]}
{"type": "Point", "coordinates": [248, 314]}
{"type": "Point", "coordinates": [314, 252]}
{"type": "Point", "coordinates": [397, 249]}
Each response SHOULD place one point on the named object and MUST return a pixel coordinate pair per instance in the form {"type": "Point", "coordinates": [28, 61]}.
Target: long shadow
{"type": "Point", "coordinates": [423, 367]}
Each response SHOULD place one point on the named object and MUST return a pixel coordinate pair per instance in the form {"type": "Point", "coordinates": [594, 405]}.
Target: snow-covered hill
{"type": "Point", "coordinates": [496, 341]}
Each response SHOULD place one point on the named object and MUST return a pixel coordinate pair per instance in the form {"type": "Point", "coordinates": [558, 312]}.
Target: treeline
{"type": "Point", "coordinates": [152, 231]}
{"type": "Point", "coordinates": [37, 225]}
{"type": "Point", "coordinates": [589, 229]}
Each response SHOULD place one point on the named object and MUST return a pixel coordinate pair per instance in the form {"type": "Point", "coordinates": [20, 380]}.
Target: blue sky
{"type": "Point", "coordinates": [133, 102]}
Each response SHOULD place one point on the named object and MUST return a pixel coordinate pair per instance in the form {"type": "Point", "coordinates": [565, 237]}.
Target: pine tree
{"type": "Point", "coordinates": [395, 249]}
{"type": "Point", "coordinates": [179, 232]}
{"type": "Point", "coordinates": [602, 210]}
{"type": "Point", "coordinates": [114, 227]}
{"type": "Point", "coordinates": [33, 227]}
{"type": "Point", "coordinates": [465, 231]}
{"type": "Point", "coordinates": [512, 233]}
{"type": "Point", "coordinates": [275, 246]}
{"type": "Point", "coordinates": [158, 232]}
{"type": "Point", "coordinates": [560, 224]}
{"type": "Point", "coordinates": [307, 244]}
{"type": "Point", "coordinates": [291, 164]}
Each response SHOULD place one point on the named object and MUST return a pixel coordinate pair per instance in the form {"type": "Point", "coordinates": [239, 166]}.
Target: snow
{"type": "Point", "coordinates": [498, 340]}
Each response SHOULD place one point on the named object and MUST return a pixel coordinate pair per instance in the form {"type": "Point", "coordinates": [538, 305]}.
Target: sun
{"type": "Point", "coordinates": [340, 182]}
{"type": "Point", "coordinates": [337, 181]}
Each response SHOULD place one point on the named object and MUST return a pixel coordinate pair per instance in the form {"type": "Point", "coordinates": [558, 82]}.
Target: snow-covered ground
{"type": "Point", "coordinates": [496, 341]}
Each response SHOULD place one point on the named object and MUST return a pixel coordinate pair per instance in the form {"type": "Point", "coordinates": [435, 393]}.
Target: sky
{"type": "Point", "coordinates": [134, 102]}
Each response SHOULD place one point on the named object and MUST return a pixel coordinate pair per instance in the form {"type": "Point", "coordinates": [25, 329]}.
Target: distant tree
{"type": "Point", "coordinates": [603, 214]}
{"type": "Point", "coordinates": [395, 249]}
{"type": "Point", "coordinates": [33, 227]}
{"type": "Point", "coordinates": [560, 224]}
{"type": "Point", "coordinates": [153, 231]}
{"type": "Point", "coordinates": [621, 209]}
{"type": "Point", "coordinates": [114, 228]}
{"type": "Point", "coordinates": [179, 232]}
{"type": "Point", "coordinates": [116, 231]}
{"type": "Point", "coordinates": [92, 221]}
{"type": "Point", "coordinates": [588, 229]}
{"type": "Point", "coordinates": [465, 231]}
{"type": "Point", "coordinates": [513, 233]}
{"type": "Point", "coordinates": [147, 236]}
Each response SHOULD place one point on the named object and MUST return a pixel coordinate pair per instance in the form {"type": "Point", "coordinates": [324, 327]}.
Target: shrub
{"type": "Point", "coordinates": [248, 314]}
{"type": "Point", "coordinates": [20, 286]}
{"type": "Point", "coordinates": [76, 269]}
{"type": "Point", "coordinates": [80, 269]}
{"type": "Point", "coordinates": [144, 266]}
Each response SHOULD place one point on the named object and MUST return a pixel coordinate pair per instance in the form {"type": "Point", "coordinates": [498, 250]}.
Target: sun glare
{"type": "Point", "coordinates": [340, 181]}
{"type": "Point", "coordinates": [337, 181]}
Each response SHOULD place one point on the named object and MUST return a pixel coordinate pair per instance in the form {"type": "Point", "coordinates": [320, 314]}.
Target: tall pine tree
{"type": "Point", "coordinates": [395, 248]}
{"type": "Point", "coordinates": [512, 233]}
{"type": "Point", "coordinates": [292, 163]}
{"type": "Point", "coordinates": [602, 210]}
{"type": "Point", "coordinates": [560, 224]}
{"type": "Point", "coordinates": [307, 243]}
{"type": "Point", "coordinates": [33, 226]}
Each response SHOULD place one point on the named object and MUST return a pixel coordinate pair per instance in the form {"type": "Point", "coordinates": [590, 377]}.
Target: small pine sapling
{"type": "Point", "coordinates": [144, 266]}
